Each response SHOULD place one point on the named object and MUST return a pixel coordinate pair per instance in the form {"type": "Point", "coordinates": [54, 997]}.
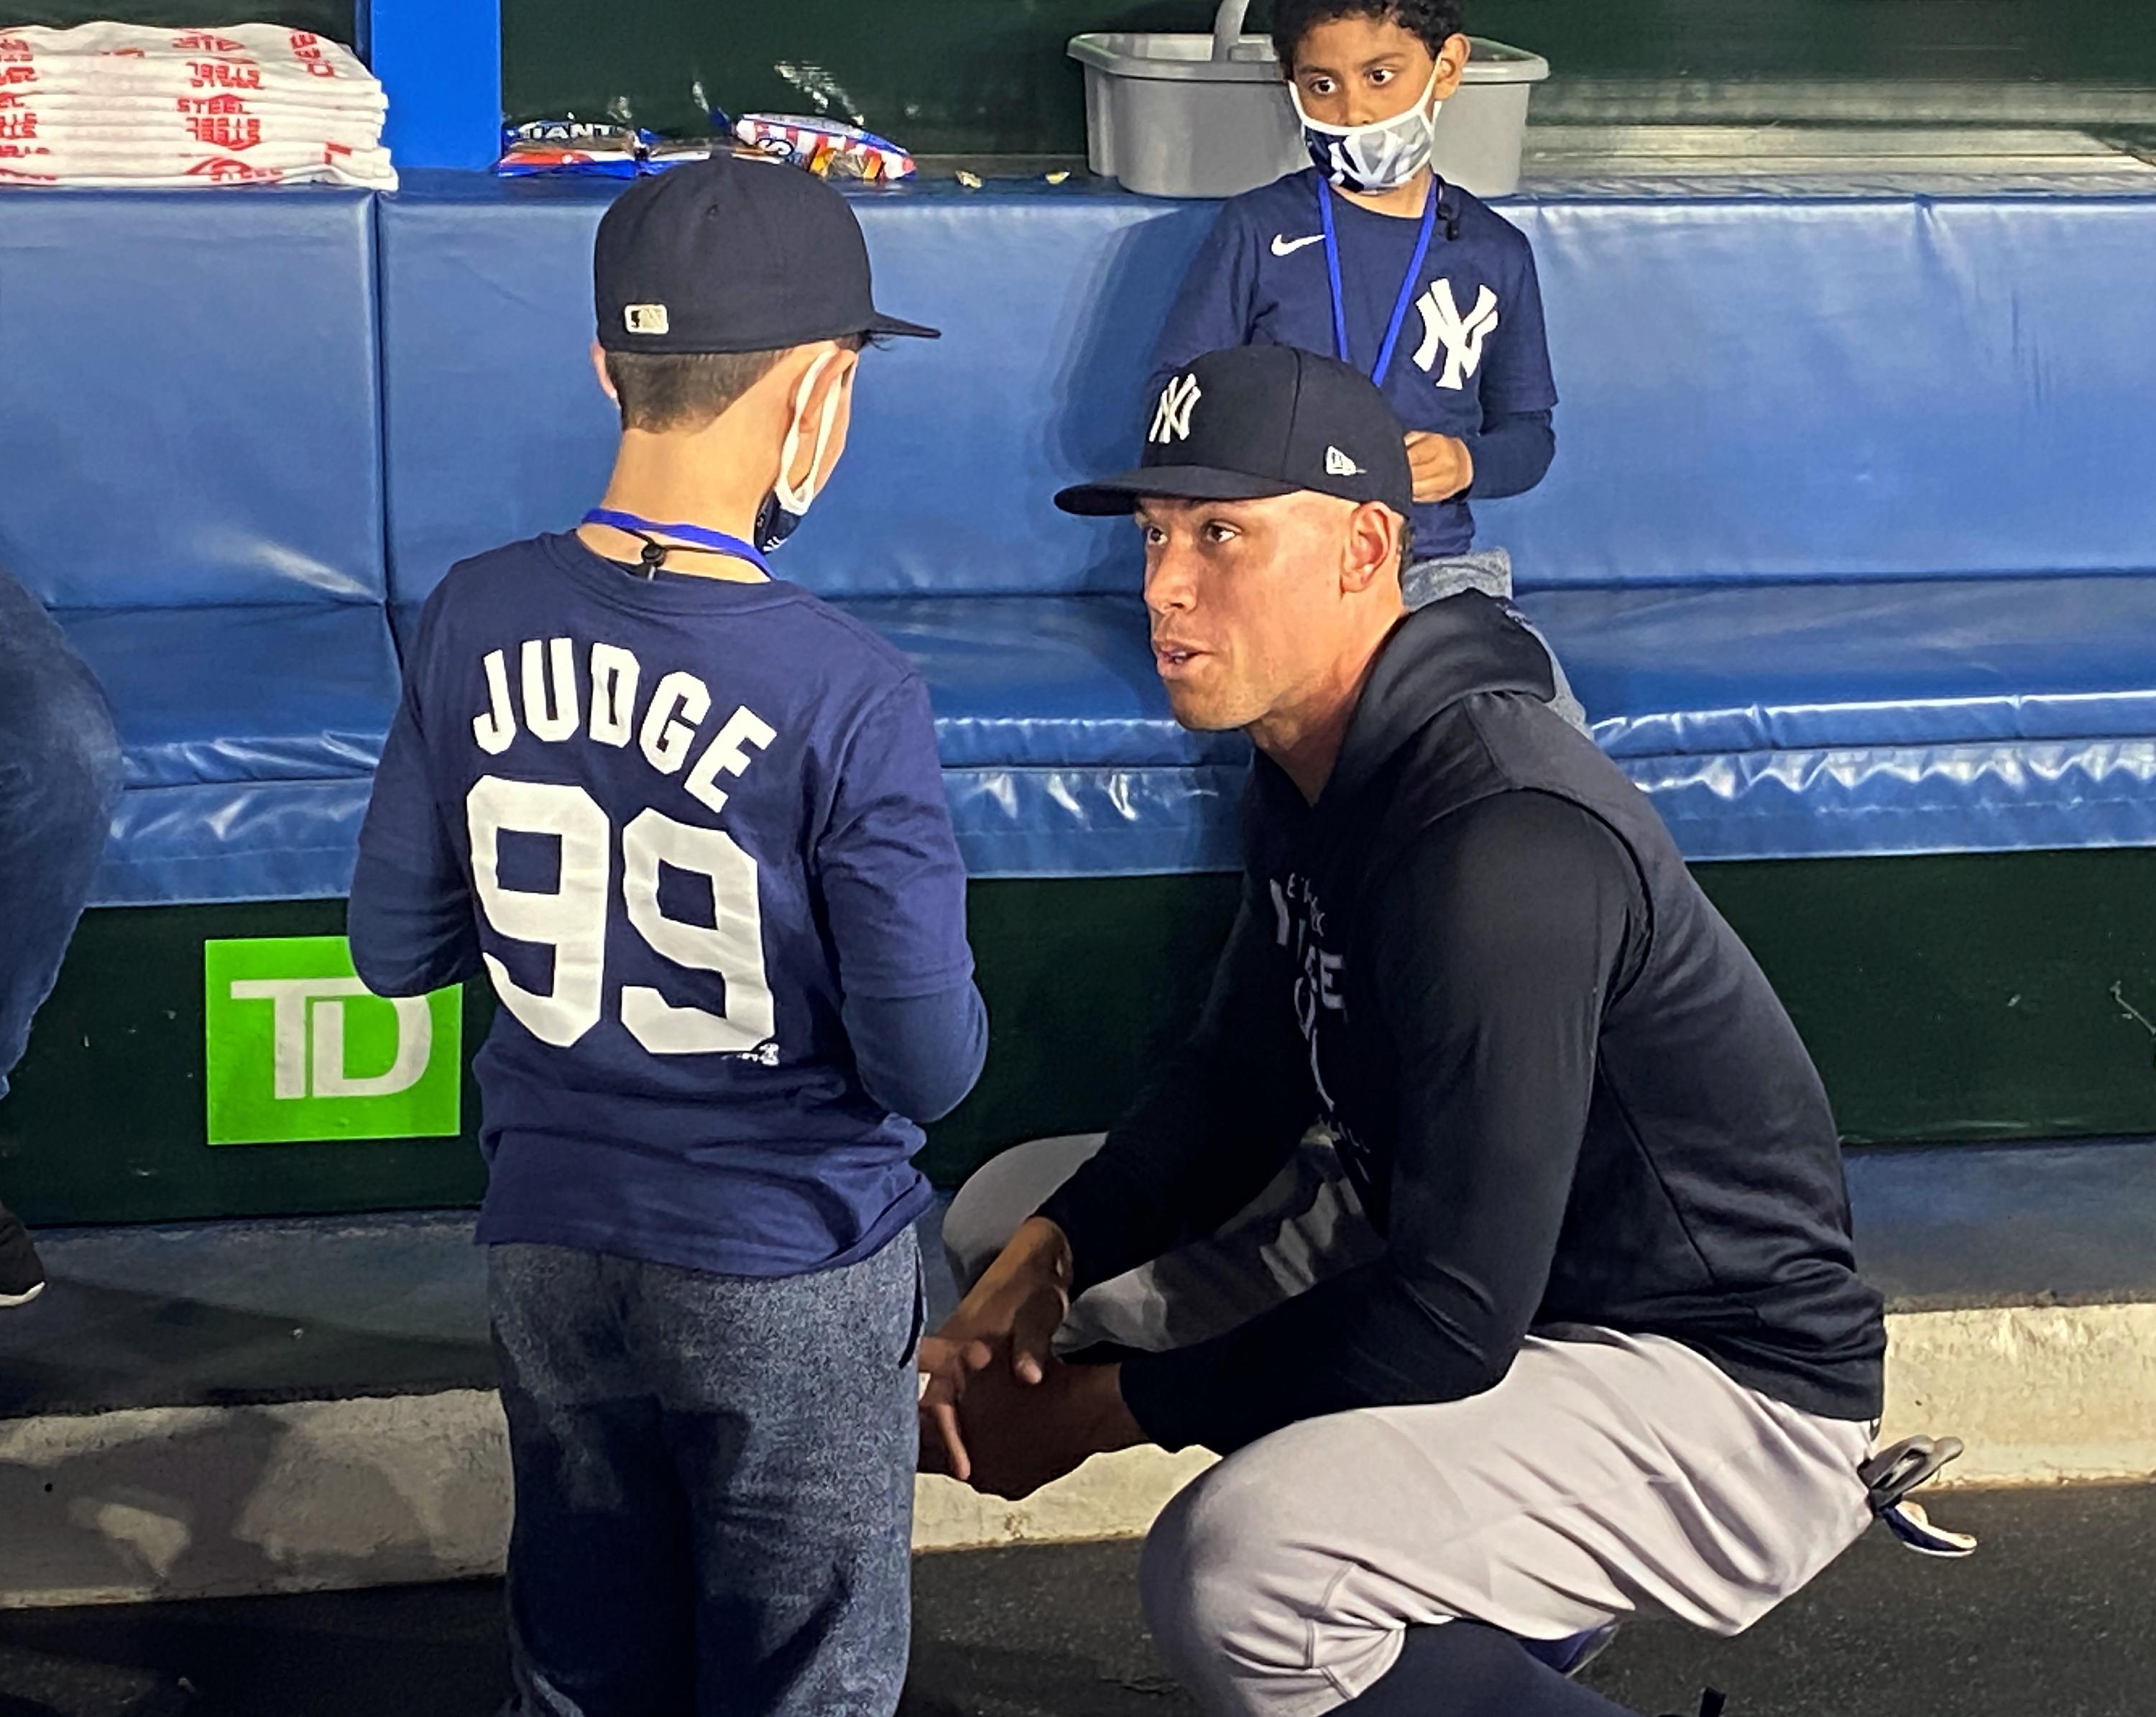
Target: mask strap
{"type": "Point", "coordinates": [797, 501]}
{"type": "Point", "coordinates": [1428, 108]}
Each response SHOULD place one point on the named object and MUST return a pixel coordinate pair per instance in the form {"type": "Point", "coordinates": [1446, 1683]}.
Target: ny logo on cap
{"type": "Point", "coordinates": [1171, 421]}
{"type": "Point", "coordinates": [645, 318]}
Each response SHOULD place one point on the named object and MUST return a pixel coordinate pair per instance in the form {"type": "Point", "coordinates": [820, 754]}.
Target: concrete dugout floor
{"type": "Point", "coordinates": [2053, 1615]}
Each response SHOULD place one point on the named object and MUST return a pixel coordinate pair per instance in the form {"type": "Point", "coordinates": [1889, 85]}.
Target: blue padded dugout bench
{"type": "Point", "coordinates": [1850, 546]}
{"type": "Point", "coordinates": [194, 487]}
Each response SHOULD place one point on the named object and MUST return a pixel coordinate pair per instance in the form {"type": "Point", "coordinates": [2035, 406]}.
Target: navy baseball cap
{"type": "Point", "coordinates": [1254, 421]}
{"type": "Point", "coordinates": [735, 254]}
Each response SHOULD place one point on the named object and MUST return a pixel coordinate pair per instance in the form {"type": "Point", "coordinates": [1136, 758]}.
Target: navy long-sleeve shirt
{"type": "Point", "coordinates": [695, 833]}
{"type": "Point", "coordinates": [1472, 359]}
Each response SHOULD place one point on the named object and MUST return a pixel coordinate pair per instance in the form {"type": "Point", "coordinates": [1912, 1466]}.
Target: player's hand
{"type": "Point", "coordinates": [1020, 1301]}
{"type": "Point", "coordinates": [1441, 465]}
{"type": "Point", "coordinates": [1026, 1435]}
{"type": "Point", "coordinates": [1009, 1322]}
{"type": "Point", "coordinates": [946, 1367]}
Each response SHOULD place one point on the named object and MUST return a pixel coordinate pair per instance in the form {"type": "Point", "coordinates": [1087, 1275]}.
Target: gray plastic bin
{"type": "Point", "coordinates": [1178, 114]}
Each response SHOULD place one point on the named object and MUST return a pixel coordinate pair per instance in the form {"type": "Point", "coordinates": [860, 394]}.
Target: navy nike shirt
{"type": "Point", "coordinates": [1472, 360]}
{"type": "Point", "coordinates": [690, 830]}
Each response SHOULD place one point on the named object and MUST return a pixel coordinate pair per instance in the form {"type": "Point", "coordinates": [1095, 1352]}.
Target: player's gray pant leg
{"type": "Point", "coordinates": [1606, 1475]}
{"type": "Point", "coordinates": [1305, 1227]}
{"type": "Point", "coordinates": [1490, 571]}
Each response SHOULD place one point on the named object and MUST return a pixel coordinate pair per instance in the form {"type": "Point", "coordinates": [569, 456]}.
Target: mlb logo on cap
{"type": "Point", "coordinates": [645, 318]}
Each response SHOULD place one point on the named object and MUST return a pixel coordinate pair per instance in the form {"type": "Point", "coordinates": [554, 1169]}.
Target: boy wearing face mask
{"type": "Point", "coordinates": [1369, 257]}
{"type": "Point", "coordinates": [690, 822]}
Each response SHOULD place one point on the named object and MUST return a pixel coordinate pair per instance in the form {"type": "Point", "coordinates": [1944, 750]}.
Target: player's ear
{"type": "Point", "coordinates": [1371, 547]}
{"type": "Point", "coordinates": [599, 368]}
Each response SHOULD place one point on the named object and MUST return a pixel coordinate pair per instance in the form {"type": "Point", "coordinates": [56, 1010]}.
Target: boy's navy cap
{"type": "Point", "coordinates": [1254, 421]}
{"type": "Point", "coordinates": [736, 253]}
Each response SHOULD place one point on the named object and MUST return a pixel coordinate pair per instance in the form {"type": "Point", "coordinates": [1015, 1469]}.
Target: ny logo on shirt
{"type": "Point", "coordinates": [1171, 421]}
{"type": "Point", "coordinates": [1443, 327]}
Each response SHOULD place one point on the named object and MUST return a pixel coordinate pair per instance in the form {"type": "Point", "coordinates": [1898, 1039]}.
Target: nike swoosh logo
{"type": "Point", "coordinates": [1284, 246]}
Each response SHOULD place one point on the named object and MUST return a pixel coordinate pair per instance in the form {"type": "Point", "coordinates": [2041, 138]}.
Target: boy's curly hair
{"type": "Point", "coordinates": [1431, 21]}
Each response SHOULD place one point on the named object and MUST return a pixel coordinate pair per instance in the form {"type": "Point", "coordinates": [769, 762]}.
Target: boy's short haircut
{"type": "Point", "coordinates": [662, 392]}
{"type": "Point", "coordinates": [1431, 21]}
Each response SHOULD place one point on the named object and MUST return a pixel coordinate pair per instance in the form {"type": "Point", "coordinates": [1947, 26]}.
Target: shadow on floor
{"type": "Point", "coordinates": [2051, 1616]}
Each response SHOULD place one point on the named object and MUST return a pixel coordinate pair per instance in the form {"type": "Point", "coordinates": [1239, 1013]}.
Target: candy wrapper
{"type": "Point", "coordinates": [825, 148]}
{"type": "Point", "coordinates": [671, 152]}
{"type": "Point", "coordinates": [570, 146]}
{"type": "Point", "coordinates": [586, 148]}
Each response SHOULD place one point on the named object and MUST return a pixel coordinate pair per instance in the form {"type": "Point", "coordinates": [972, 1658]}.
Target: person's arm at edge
{"type": "Point", "coordinates": [1201, 1141]}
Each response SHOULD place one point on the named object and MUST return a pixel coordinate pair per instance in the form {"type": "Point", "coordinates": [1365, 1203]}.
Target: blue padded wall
{"type": "Point", "coordinates": [1850, 546]}
{"type": "Point", "coordinates": [1757, 388]}
{"type": "Point", "coordinates": [190, 392]}
{"type": "Point", "coordinates": [496, 429]}
{"type": "Point", "coordinates": [1774, 388]}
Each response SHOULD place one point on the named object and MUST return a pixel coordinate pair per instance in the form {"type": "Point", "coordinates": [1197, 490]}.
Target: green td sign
{"type": "Point", "coordinates": [298, 1050]}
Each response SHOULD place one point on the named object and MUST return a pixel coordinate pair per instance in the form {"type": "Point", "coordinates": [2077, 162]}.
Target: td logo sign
{"type": "Point", "coordinates": [300, 1050]}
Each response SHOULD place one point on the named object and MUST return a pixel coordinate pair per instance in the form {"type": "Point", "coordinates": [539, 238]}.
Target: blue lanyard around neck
{"type": "Point", "coordinates": [696, 536]}
{"type": "Point", "coordinates": [1407, 286]}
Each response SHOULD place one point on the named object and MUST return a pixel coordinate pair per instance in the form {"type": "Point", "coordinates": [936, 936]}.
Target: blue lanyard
{"type": "Point", "coordinates": [718, 541]}
{"type": "Point", "coordinates": [1407, 286]}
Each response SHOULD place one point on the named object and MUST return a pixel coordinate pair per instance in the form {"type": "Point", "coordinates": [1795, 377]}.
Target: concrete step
{"type": "Point", "coordinates": [288, 1405]}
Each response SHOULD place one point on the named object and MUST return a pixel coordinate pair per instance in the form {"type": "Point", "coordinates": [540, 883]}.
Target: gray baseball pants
{"type": "Point", "coordinates": [1608, 1474]}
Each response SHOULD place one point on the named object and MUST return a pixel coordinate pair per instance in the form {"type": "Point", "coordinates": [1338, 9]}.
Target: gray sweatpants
{"type": "Point", "coordinates": [714, 1484]}
{"type": "Point", "coordinates": [1608, 1474]}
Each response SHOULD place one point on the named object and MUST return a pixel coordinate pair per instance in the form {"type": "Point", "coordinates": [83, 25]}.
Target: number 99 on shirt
{"type": "Point", "coordinates": [571, 919]}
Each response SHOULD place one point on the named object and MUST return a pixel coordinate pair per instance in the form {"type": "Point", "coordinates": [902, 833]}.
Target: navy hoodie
{"type": "Point", "coordinates": [1561, 1084]}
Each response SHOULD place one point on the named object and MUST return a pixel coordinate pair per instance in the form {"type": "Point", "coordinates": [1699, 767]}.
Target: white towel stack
{"type": "Point", "coordinates": [121, 104]}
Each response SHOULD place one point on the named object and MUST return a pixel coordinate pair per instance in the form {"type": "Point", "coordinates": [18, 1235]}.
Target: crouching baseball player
{"type": "Point", "coordinates": [1551, 1317]}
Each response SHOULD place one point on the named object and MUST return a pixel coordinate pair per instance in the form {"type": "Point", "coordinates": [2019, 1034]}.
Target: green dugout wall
{"type": "Point", "coordinates": [979, 76]}
{"type": "Point", "coordinates": [1988, 998]}
{"type": "Point", "coordinates": [990, 77]}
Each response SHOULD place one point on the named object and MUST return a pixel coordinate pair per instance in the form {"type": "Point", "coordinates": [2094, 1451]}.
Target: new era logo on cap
{"type": "Point", "coordinates": [645, 318]}
{"type": "Point", "coordinates": [1338, 465]}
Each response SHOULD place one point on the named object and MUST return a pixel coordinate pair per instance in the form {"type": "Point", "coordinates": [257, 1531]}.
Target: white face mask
{"type": "Point", "coordinates": [1381, 156]}
{"type": "Point", "coordinates": [786, 505]}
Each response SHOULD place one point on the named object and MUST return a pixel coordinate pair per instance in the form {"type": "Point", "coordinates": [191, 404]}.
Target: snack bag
{"type": "Point", "coordinates": [571, 147]}
{"type": "Point", "coordinates": [825, 148]}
